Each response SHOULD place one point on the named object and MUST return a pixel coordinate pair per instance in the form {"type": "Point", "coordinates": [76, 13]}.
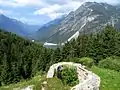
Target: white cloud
{"type": "Point", "coordinates": [6, 3]}
{"type": "Point", "coordinates": [2, 11]}
{"type": "Point", "coordinates": [5, 11]}
{"type": "Point", "coordinates": [55, 15]}
{"type": "Point", "coordinates": [21, 3]}
{"type": "Point", "coordinates": [30, 21]}
{"type": "Point", "coordinates": [56, 10]}
{"type": "Point", "coordinates": [113, 2]}
{"type": "Point", "coordinates": [51, 11]}
{"type": "Point", "coordinates": [45, 8]}
{"type": "Point", "coordinates": [28, 2]}
{"type": "Point", "coordinates": [48, 10]}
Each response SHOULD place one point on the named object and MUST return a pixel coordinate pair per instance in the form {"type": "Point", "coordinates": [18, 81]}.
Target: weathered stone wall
{"type": "Point", "coordinates": [88, 80]}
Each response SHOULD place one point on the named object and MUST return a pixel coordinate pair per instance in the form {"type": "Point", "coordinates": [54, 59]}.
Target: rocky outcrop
{"type": "Point", "coordinates": [88, 80]}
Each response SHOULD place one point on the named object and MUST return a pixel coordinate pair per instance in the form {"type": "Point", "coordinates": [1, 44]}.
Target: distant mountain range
{"type": "Point", "coordinates": [90, 17]}
{"type": "Point", "coordinates": [47, 30]}
{"type": "Point", "coordinates": [17, 27]}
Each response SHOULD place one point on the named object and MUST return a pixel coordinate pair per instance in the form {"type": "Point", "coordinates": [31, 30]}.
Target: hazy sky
{"type": "Point", "coordinates": [41, 11]}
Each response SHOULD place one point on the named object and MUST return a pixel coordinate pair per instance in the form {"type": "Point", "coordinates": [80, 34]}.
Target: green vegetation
{"type": "Point", "coordinates": [56, 84]}
{"type": "Point", "coordinates": [112, 63]}
{"type": "Point", "coordinates": [52, 84]}
{"type": "Point", "coordinates": [110, 79]}
{"type": "Point", "coordinates": [21, 59]}
{"type": "Point", "coordinates": [68, 76]}
{"type": "Point", "coordinates": [84, 61]}
{"type": "Point", "coordinates": [36, 81]}
{"type": "Point", "coordinates": [96, 46]}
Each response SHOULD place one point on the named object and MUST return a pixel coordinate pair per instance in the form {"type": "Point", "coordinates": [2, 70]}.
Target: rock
{"type": "Point", "coordinates": [90, 17]}
{"type": "Point", "coordinates": [26, 88]}
{"type": "Point", "coordinates": [88, 80]}
{"type": "Point", "coordinates": [43, 85]}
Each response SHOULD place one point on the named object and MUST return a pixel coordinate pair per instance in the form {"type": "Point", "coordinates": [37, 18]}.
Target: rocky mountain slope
{"type": "Point", "coordinates": [47, 30]}
{"type": "Point", "coordinates": [90, 17]}
{"type": "Point", "coordinates": [17, 27]}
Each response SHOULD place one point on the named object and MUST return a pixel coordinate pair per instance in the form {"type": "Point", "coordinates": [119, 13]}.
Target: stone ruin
{"type": "Point", "coordinates": [87, 79]}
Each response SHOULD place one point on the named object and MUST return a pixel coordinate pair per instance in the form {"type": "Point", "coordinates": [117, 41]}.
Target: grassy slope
{"type": "Point", "coordinates": [34, 81]}
{"type": "Point", "coordinates": [110, 80]}
{"type": "Point", "coordinates": [53, 84]}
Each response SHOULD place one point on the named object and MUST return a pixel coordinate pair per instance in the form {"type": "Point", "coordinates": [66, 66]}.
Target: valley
{"type": "Point", "coordinates": [33, 56]}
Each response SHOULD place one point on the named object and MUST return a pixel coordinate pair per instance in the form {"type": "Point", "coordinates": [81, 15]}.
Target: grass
{"type": "Point", "coordinates": [36, 81]}
{"type": "Point", "coordinates": [110, 80]}
{"type": "Point", "coordinates": [52, 84]}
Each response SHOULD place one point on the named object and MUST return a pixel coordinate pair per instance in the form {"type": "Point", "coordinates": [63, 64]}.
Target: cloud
{"type": "Point", "coordinates": [57, 10]}
{"type": "Point", "coordinates": [26, 20]}
{"type": "Point", "coordinates": [43, 10]}
{"type": "Point", "coordinates": [5, 11]}
{"type": "Point", "coordinates": [22, 3]}
{"type": "Point", "coordinates": [29, 2]}
{"type": "Point", "coordinates": [113, 2]}
{"type": "Point", "coordinates": [2, 11]}
{"type": "Point", "coordinates": [51, 11]}
{"type": "Point", "coordinates": [48, 10]}
{"type": "Point", "coordinates": [55, 15]}
{"type": "Point", "coordinates": [57, 1]}
{"type": "Point", "coordinates": [6, 3]}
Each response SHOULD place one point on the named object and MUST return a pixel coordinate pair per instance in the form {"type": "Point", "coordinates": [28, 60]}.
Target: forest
{"type": "Point", "coordinates": [22, 59]}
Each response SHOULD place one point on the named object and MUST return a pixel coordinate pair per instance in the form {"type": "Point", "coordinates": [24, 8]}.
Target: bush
{"type": "Point", "coordinates": [69, 76]}
{"type": "Point", "coordinates": [84, 61]}
{"type": "Point", "coordinates": [112, 63]}
{"type": "Point", "coordinates": [55, 84]}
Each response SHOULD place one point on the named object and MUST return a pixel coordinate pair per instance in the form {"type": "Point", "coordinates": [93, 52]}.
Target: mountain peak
{"type": "Point", "coordinates": [87, 4]}
{"type": "Point", "coordinates": [90, 17]}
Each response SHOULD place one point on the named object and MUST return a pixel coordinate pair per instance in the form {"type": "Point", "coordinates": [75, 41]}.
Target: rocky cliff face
{"type": "Point", "coordinates": [90, 17]}
{"type": "Point", "coordinates": [47, 30]}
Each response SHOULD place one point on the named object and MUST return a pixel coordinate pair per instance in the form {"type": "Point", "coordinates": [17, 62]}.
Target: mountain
{"type": "Point", "coordinates": [15, 26]}
{"type": "Point", "coordinates": [48, 29]}
{"type": "Point", "coordinates": [90, 17]}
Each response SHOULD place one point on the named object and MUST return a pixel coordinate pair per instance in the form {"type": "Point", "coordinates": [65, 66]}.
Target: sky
{"type": "Point", "coordinates": [38, 12]}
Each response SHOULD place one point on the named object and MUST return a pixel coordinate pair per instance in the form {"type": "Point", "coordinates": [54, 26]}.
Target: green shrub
{"type": "Point", "coordinates": [69, 76]}
{"type": "Point", "coordinates": [84, 61]}
{"type": "Point", "coordinates": [55, 84]}
{"type": "Point", "coordinates": [112, 63]}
